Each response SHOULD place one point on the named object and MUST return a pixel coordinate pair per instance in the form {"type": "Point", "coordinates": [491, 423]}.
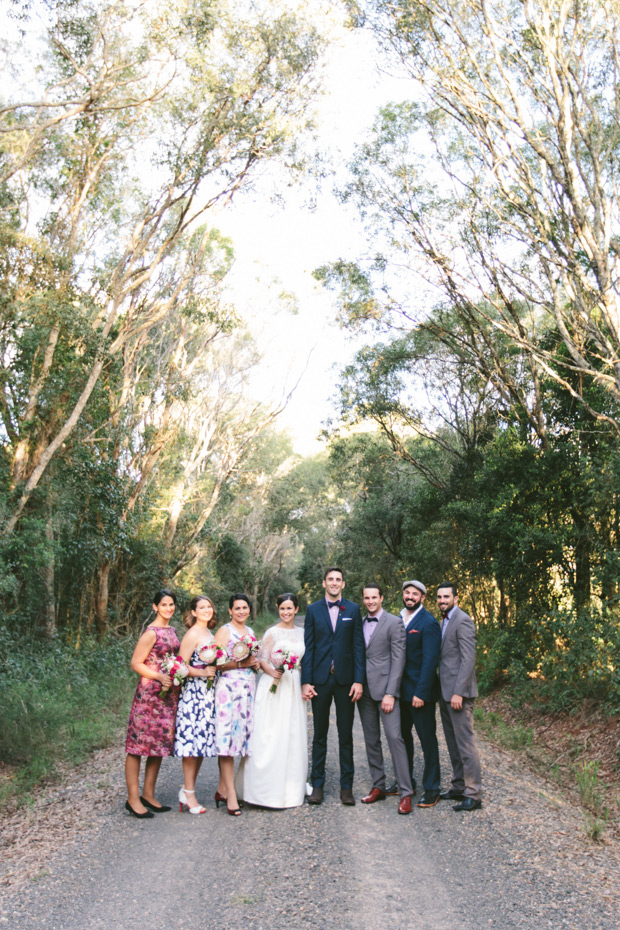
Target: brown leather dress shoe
{"type": "Point", "coordinates": [316, 797]}
{"type": "Point", "coordinates": [376, 794]}
{"type": "Point", "coordinates": [346, 796]}
{"type": "Point", "coordinates": [405, 805]}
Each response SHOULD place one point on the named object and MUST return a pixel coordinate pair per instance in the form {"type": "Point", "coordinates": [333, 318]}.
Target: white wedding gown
{"type": "Point", "coordinates": [274, 774]}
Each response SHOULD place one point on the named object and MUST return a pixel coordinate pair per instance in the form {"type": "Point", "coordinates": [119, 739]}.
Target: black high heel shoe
{"type": "Point", "coordinates": [156, 810]}
{"type": "Point", "coordinates": [220, 799]}
{"type": "Point", "coordinates": [144, 816]}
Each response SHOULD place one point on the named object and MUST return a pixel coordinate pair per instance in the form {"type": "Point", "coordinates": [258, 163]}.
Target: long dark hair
{"type": "Point", "coordinates": [190, 618]}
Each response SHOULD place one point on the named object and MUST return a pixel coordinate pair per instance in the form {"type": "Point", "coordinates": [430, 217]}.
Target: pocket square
{"type": "Point", "coordinates": [346, 619]}
{"type": "Point", "coordinates": [413, 631]}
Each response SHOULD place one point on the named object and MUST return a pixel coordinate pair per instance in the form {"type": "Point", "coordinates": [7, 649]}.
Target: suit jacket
{"type": "Point", "coordinates": [344, 646]}
{"type": "Point", "coordinates": [457, 658]}
{"type": "Point", "coordinates": [385, 657]}
{"type": "Point", "coordinates": [423, 644]}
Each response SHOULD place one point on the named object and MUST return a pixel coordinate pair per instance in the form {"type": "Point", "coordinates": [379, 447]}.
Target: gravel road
{"type": "Point", "coordinates": [77, 861]}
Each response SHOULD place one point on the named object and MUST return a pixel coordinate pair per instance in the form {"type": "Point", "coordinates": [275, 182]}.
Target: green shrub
{"type": "Point", "coordinates": [59, 703]}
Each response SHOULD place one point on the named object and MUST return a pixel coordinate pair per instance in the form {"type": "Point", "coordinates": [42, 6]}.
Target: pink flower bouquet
{"type": "Point", "coordinates": [244, 647]}
{"type": "Point", "coordinates": [177, 669]}
{"type": "Point", "coordinates": [286, 661]}
{"type": "Point", "coordinates": [212, 654]}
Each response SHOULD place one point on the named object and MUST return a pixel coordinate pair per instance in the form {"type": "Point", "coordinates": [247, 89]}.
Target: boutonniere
{"type": "Point", "coordinates": [341, 608]}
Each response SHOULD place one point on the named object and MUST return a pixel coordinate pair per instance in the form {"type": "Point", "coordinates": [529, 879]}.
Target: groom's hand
{"type": "Point", "coordinates": [356, 691]}
{"type": "Point", "coordinates": [307, 692]}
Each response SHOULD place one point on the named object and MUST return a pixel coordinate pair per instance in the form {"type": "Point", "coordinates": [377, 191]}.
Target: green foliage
{"type": "Point", "coordinates": [494, 727]}
{"type": "Point", "coordinates": [590, 792]}
{"type": "Point", "coordinates": [60, 702]}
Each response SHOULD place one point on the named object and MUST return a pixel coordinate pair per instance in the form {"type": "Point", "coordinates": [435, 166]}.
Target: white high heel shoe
{"type": "Point", "coordinates": [183, 802]}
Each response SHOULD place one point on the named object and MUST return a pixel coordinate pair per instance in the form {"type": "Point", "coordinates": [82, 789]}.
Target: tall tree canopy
{"type": "Point", "coordinates": [124, 403]}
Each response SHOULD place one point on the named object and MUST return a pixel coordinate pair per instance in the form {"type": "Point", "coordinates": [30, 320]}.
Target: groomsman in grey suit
{"type": "Point", "coordinates": [384, 636]}
{"type": "Point", "coordinates": [457, 679]}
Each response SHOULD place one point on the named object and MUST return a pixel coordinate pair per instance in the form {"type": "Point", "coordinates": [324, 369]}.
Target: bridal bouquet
{"type": "Point", "coordinates": [177, 669]}
{"type": "Point", "coordinates": [285, 660]}
{"type": "Point", "coordinates": [248, 645]}
{"type": "Point", "coordinates": [212, 654]}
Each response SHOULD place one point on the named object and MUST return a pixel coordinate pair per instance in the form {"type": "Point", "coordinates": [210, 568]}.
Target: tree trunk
{"type": "Point", "coordinates": [101, 604]}
{"type": "Point", "coordinates": [583, 570]}
{"type": "Point", "coordinates": [49, 617]}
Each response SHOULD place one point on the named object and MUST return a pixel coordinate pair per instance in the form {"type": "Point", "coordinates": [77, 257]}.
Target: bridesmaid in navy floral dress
{"type": "Point", "coordinates": [195, 729]}
{"type": "Point", "coordinates": [152, 718]}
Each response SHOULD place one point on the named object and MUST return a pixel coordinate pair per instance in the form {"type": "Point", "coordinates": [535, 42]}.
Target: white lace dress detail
{"type": "Point", "coordinates": [274, 775]}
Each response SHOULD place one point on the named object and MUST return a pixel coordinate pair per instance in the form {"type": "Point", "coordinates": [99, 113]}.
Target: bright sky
{"type": "Point", "coordinates": [279, 244]}
{"type": "Point", "coordinates": [277, 248]}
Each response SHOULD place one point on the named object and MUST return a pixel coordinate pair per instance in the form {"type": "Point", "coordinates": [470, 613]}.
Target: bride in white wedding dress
{"type": "Point", "coordinates": [274, 774]}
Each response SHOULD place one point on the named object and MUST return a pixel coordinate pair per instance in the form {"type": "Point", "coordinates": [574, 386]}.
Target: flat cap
{"type": "Point", "coordinates": [415, 584]}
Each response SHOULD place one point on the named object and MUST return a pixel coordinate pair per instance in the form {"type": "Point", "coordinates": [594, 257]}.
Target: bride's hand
{"type": "Point", "coordinates": [276, 672]}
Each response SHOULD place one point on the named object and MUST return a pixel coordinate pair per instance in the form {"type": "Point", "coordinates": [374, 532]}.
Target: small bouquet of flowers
{"type": "Point", "coordinates": [177, 669]}
{"type": "Point", "coordinates": [246, 646]}
{"type": "Point", "coordinates": [212, 654]}
{"type": "Point", "coordinates": [285, 660]}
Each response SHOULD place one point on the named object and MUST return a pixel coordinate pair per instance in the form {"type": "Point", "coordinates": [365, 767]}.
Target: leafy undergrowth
{"type": "Point", "coordinates": [579, 751]}
{"type": "Point", "coordinates": [59, 704]}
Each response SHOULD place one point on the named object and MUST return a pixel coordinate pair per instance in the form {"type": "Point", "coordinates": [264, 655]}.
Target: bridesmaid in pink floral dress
{"type": "Point", "coordinates": [152, 718]}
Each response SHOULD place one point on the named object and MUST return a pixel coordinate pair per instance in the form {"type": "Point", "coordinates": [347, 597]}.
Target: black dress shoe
{"type": "Point", "coordinates": [317, 795]}
{"type": "Point", "coordinates": [429, 799]}
{"type": "Point", "coordinates": [144, 816]}
{"type": "Point", "coordinates": [156, 810]}
{"type": "Point", "coordinates": [346, 796]}
{"type": "Point", "coordinates": [452, 795]}
{"type": "Point", "coordinates": [468, 804]}
{"type": "Point", "coordinates": [392, 789]}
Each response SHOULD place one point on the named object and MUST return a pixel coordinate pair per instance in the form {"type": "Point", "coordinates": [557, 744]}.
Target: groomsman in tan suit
{"type": "Point", "coordinates": [457, 678]}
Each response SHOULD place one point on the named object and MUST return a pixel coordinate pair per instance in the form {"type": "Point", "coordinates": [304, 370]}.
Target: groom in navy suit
{"type": "Point", "coordinates": [333, 669]}
{"type": "Point", "coordinates": [419, 690]}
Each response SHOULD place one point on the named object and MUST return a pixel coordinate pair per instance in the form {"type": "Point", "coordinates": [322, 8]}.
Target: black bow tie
{"type": "Point", "coordinates": [333, 603]}
{"type": "Point", "coordinates": [372, 619]}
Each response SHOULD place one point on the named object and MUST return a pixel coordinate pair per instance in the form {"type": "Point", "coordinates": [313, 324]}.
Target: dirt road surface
{"type": "Point", "coordinates": [76, 861]}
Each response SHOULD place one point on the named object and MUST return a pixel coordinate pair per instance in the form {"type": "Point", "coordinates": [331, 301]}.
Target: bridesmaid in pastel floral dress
{"type": "Point", "coordinates": [234, 697]}
{"type": "Point", "coordinates": [152, 718]}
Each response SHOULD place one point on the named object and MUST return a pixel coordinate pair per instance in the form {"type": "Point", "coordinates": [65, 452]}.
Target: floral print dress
{"type": "Point", "coordinates": [195, 732]}
{"type": "Point", "coordinates": [234, 699]}
{"type": "Point", "coordinates": [152, 719]}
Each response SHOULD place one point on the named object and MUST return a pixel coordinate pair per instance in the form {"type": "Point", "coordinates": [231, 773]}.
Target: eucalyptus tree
{"type": "Point", "coordinates": [124, 402]}
{"type": "Point", "coordinates": [500, 182]}
{"type": "Point", "coordinates": [140, 120]}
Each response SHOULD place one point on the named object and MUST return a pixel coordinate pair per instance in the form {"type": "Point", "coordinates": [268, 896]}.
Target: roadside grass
{"type": "Point", "coordinates": [58, 704]}
{"type": "Point", "coordinates": [577, 751]}
{"type": "Point", "coordinates": [508, 735]}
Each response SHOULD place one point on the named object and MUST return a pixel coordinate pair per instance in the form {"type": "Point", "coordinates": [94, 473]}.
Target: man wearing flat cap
{"type": "Point", "coordinates": [419, 690]}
